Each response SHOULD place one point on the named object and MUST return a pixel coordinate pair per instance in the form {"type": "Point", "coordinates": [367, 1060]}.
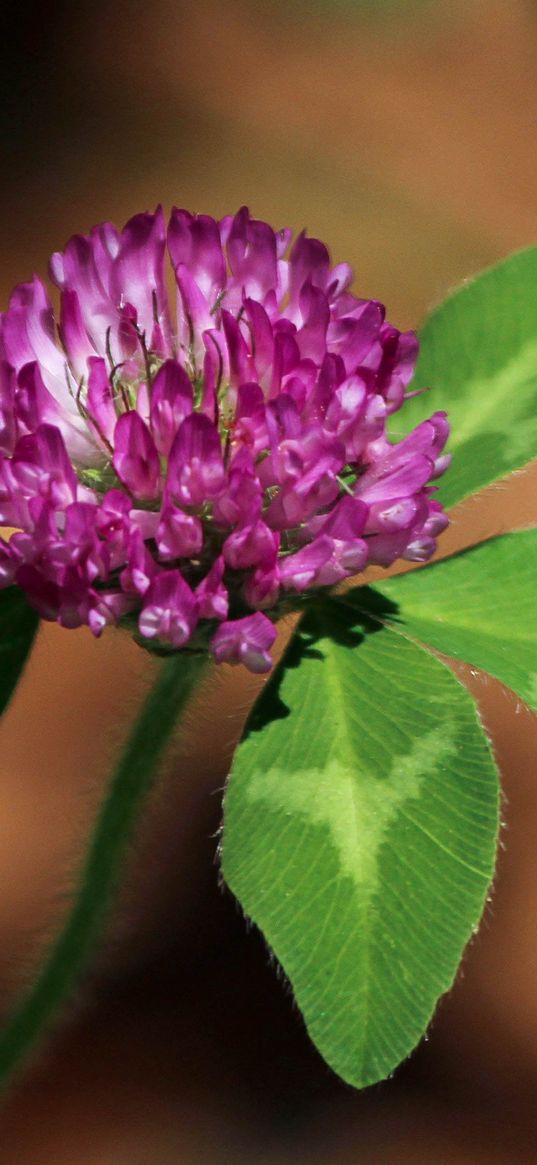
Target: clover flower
{"type": "Point", "coordinates": [182, 462]}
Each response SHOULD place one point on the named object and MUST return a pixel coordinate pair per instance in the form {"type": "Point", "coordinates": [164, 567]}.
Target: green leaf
{"type": "Point", "coordinates": [18, 625]}
{"type": "Point", "coordinates": [479, 358]}
{"type": "Point", "coordinates": [359, 834]}
{"type": "Point", "coordinates": [479, 606]}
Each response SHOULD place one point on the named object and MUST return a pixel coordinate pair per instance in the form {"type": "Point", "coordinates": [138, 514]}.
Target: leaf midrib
{"type": "Point", "coordinates": [349, 762]}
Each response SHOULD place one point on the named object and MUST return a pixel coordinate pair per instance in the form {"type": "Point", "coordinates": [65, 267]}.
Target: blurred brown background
{"type": "Point", "coordinates": [402, 133]}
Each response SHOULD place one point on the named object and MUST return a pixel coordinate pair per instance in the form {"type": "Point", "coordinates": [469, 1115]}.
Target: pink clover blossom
{"type": "Point", "coordinates": [183, 462]}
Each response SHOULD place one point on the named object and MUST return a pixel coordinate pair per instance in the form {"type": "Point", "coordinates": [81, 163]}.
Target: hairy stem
{"type": "Point", "coordinates": [100, 873]}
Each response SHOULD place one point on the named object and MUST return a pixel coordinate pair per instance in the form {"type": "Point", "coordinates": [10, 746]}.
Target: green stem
{"type": "Point", "coordinates": [115, 825]}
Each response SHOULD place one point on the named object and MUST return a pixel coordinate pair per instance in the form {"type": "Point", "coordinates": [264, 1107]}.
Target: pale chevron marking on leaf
{"type": "Point", "coordinates": [488, 395]}
{"type": "Point", "coordinates": [355, 805]}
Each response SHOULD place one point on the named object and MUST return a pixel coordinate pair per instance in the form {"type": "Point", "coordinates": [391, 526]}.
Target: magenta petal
{"type": "Point", "coordinates": [389, 517]}
{"type": "Point", "coordinates": [383, 549]}
{"type": "Point", "coordinates": [441, 428]}
{"type": "Point", "coordinates": [309, 263]}
{"type": "Point", "coordinates": [262, 336]}
{"type": "Point", "coordinates": [437, 521]}
{"type": "Point", "coordinates": [298, 571]}
{"type": "Point", "coordinates": [100, 399]}
{"type": "Point", "coordinates": [112, 515]}
{"type": "Point", "coordinates": [354, 337]}
{"type": "Point", "coordinates": [250, 545]}
{"type": "Point", "coordinates": [73, 332]}
{"type": "Point", "coordinates": [16, 348]}
{"type": "Point", "coordinates": [28, 332]}
{"type": "Point", "coordinates": [250, 428]}
{"type": "Point", "coordinates": [339, 280]}
{"type": "Point", "coordinates": [316, 315]}
{"type": "Point", "coordinates": [179, 535]}
{"type": "Point", "coordinates": [211, 594]}
{"type": "Point", "coordinates": [138, 271]}
{"type": "Point", "coordinates": [286, 358]}
{"type": "Point", "coordinates": [283, 238]}
{"type": "Point", "coordinates": [135, 459]}
{"type": "Point", "coordinates": [108, 609]}
{"type": "Point", "coordinates": [40, 543]}
{"type": "Point", "coordinates": [346, 521]}
{"type": "Point", "coordinates": [34, 404]}
{"type": "Point", "coordinates": [79, 269]}
{"type": "Point", "coordinates": [348, 556]}
{"type": "Point", "coordinates": [8, 422]}
{"type": "Point", "coordinates": [171, 402]}
{"type": "Point", "coordinates": [193, 314]}
{"type": "Point", "coordinates": [421, 543]}
{"type": "Point", "coordinates": [251, 249]}
{"type": "Point", "coordinates": [241, 499]}
{"type": "Point", "coordinates": [352, 556]}
{"type": "Point", "coordinates": [43, 595]}
{"type": "Point", "coordinates": [396, 369]}
{"type": "Point", "coordinates": [41, 466]}
{"type": "Point", "coordinates": [262, 588]}
{"type": "Point", "coordinates": [246, 641]}
{"type": "Point", "coordinates": [170, 610]}
{"type": "Point", "coordinates": [404, 480]}
{"type": "Point", "coordinates": [283, 421]}
{"type": "Point", "coordinates": [194, 241]}
{"type": "Point", "coordinates": [8, 565]}
{"type": "Point", "coordinates": [196, 467]}
{"type": "Point", "coordinates": [214, 371]}
{"type": "Point", "coordinates": [141, 567]}
{"type": "Point", "coordinates": [241, 365]}
{"type": "Point", "coordinates": [317, 489]}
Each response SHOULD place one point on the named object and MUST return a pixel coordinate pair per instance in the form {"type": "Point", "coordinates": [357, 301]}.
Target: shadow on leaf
{"type": "Point", "coordinates": [346, 620]}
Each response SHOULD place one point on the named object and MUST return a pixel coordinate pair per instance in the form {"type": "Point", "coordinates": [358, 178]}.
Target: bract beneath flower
{"type": "Point", "coordinates": [188, 461]}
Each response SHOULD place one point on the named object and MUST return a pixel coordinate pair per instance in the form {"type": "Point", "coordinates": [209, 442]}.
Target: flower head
{"type": "Point", "coordinates": [186, 461]}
